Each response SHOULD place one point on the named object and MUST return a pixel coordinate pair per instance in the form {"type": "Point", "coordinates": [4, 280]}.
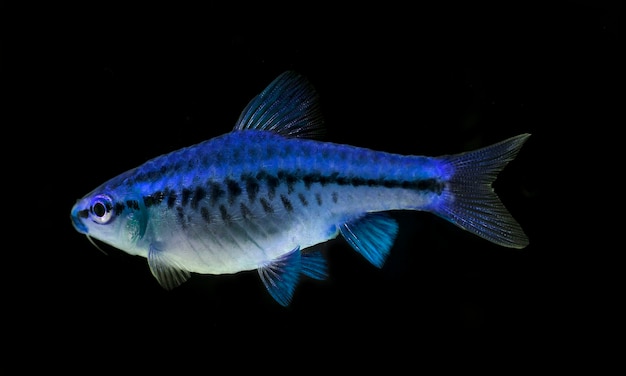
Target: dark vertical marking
{"type": "Point", "coordinates": [290, 178]}
{"type": "Point", "coordinates": [266, 206]}
{"type": "Point", "coordinates": [245, 211]}
{"type": "Point", "coordinates": [148, 201]}
{"type": "Point", "coordinates": [252, 187]}
{"type": "Point", "coordinates": [271, 181]}
{"type": "Point", "coordinates": [309, 179]}
{"type": "Point", "coordinates": [154, 199]}
{"type": "Point", "coordinates": [272, 184]}
{"type": "Point", "coordinates": [224, 213]}
{"type": "Point", "coordinates": [318, 198]}
{"type": "Point", "coordinates": [198, 195]}
{"type": "Point", "coordinates": [215, 192]}
{"type": "Point", "coordinates": [185, 196]}
{"type": "Point", "coordinates": [132, 204]}
{"type": "Point", "coordinates": [286, 203]}
{"type": "Point", "coordinates": [204, 212]}
{"type": "Point", "coordinates": [303, 199]}
{"type": "Point", "coordinates": [119, 208]}
{"type": "Point", "coordinates": [234, 190]}
{"type": "Point", "coordinates": [181, 216]}
{"type": "Point", "coordinates": [335, 197]}
{"type": "Point", "coordinates": [171, 199]}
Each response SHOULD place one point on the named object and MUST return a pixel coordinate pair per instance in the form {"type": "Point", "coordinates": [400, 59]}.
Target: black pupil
{"type": "Point", "coordinates": [99, 209]}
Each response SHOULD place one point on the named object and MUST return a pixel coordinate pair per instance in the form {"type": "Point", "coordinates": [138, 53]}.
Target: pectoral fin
{"type": "Point", "coordinates": [167, 271]}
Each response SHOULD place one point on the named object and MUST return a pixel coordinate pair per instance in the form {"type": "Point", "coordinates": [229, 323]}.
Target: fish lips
{"type": "Point", "coordinates": [76, 215]}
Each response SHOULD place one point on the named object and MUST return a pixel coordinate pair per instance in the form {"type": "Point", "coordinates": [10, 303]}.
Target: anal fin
{"type": "Point", "coordinates": [314, 265]}
{"type": "Point", "coordinates": [280, 277]}
{"type": "Point", "coordinates": [372, 235]}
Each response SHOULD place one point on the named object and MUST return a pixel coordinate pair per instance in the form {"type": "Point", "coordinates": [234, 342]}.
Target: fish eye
{"type": "Point", "coordinates": [101, 209]}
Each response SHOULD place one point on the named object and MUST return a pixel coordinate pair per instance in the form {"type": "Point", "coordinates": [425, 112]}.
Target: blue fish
{"type": "Point", "coordinates": [263, 195]}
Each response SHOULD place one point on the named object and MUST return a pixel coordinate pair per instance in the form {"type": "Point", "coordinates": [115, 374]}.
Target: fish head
{"type": "Point", "coordinates": [111, 218]}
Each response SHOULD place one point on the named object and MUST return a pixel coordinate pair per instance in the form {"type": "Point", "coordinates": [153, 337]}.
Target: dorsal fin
{"type": "Point", "coordinates": [288, 106]}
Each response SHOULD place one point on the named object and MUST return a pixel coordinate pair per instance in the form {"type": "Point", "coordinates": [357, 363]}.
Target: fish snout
{"type": "Point", "coordinates": [77, 216]}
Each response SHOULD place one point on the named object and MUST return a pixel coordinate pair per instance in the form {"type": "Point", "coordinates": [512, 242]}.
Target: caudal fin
{"type": "Point", "coordinates": [470, 201]}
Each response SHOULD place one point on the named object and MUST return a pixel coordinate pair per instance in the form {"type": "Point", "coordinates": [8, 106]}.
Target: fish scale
{"type": "Point", "coordinates": [249, 205]}
{"type": "Point", "coordinates": [262, 196]}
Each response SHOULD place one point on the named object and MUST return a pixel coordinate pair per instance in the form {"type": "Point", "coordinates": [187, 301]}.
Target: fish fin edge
{"type": "Point", "coordinates": [470, 201]}
{"type": "Point", "coordinates": [288, 106]}
{"type": "Point", "coordinates": [314, 265]}
{"type": "Point", "coordinates": [165, 269]}
{"type": "Point", "coordinates": [281, 276]}
{"type": "Point", "coordinates": [372, 235]}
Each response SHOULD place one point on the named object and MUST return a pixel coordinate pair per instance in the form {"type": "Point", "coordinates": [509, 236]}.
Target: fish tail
{"type": "Point", "coordinates": [469, 200]}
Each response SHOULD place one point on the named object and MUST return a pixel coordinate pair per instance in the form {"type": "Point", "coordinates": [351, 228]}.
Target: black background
{"type": "Point", "coordinates": [101, 89]}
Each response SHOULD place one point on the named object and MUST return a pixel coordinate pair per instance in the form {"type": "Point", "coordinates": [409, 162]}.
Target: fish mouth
{"type": "Point", "coordinates": [77, 222]}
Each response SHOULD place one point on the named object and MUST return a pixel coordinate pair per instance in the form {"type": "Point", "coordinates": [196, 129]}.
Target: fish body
{"type": "Point", "coordinates": [264, 195]}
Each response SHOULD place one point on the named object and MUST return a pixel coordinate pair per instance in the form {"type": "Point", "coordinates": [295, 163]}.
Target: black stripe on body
{"type": "Point", "coordinates": [291, 178]}
{"type": "Point", "coordinates": [233, 189]}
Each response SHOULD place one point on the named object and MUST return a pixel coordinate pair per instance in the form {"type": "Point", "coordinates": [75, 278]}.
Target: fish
{"type": "Point", "coordinates": [266, 195]}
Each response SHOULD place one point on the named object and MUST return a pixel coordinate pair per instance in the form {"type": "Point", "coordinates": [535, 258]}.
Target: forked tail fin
{"type": "Point", "coordinates": [470, 201]}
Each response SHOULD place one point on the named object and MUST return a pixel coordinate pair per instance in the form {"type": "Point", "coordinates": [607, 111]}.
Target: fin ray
{"type": "Point", "coordinates": [314, 265]}
{"type": "Point", "coordinates": [470, 201]}
{"type": "Point", "coordinates": [167, 272]}
{"type": "Point", "coordinates": [372, 235]}
{"type": "Point", "coordinates": [280, 277]}
{"type": "Point", "coordinates": [289, 106]}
